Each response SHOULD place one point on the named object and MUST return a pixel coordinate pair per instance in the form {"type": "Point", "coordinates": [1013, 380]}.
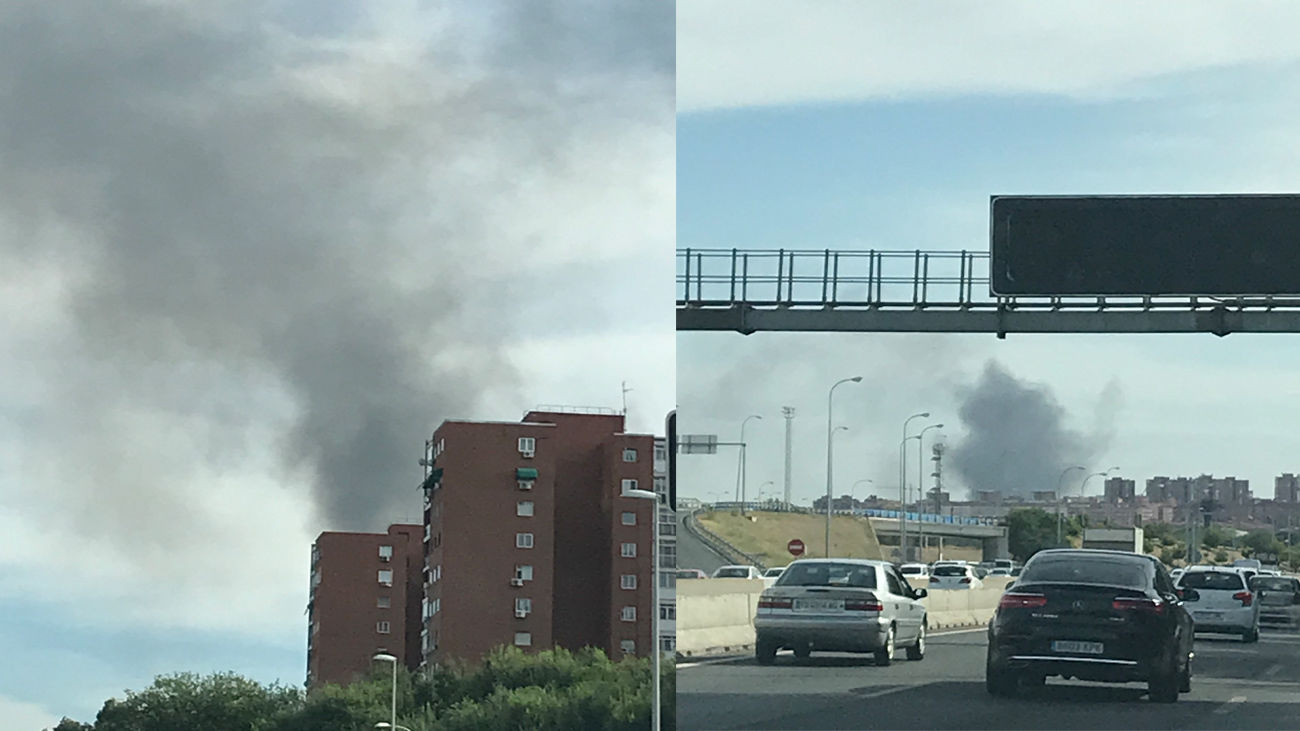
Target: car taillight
{"type": "Point", "coordinates": [966, 580]}
{"type": "Point", "coordinates": [1138, 604]}
{"type": "Point", "coordinates": [774, 603]}
{"type": "Point", "coordinates": [863, 605]}
{"type": "Point", "coordinates": [1016, 600]}
{"type": "Point", "coordinates": [1244, 597]}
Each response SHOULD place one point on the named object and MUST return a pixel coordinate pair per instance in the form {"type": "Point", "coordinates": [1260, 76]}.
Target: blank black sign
{"type": "Point", "coordinates": [1223, 245]}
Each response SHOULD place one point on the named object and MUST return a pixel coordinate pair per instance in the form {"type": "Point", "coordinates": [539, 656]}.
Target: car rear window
{"type": "Point", "coordinates": [1212, 580]}
{"type": "Point", "coordinates": [1085, 570]}
{"type": "Point", "coordinates": [949, 570]}
{"type": "Point", "coordinates": [911, 569]}
{"type": "Point", "coordinates": [1273, 583]}
{"type": "Point", "coordinates": [732, 574]}
{"type": "Point", "coordinates": [829, 574]}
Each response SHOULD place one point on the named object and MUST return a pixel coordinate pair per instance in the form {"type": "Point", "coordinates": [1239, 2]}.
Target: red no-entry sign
{"type": "Point", "coordinates": [795, 547]}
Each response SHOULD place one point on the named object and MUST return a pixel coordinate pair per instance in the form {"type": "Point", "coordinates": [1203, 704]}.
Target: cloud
{"type": "Point", "coordinates": [256, 259]}
{"type": "Point", "coordinates": [740, 54]}
{"type": "Point", "coordinates": [20, 715]}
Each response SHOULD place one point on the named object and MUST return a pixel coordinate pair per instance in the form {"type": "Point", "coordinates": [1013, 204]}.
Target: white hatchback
{"type": "Point", "coordinates": [1225, 603]}
{"type": "Point", "coordinates": [954, 576]}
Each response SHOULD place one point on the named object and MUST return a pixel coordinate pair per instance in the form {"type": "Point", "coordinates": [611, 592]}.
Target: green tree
{"type": "Point", "coordinates": [1030, 530]}
{"type": "Point", "coordinates": [1220, 556]}
{"type": "Point", "coordinates": [67, 724]}
{"type": "Point", "coordinates": [1261, 541]}
{"type": "Point", "coordinates": [1217, 535]}
{"type": "Point", "coordinates": [218, 702]}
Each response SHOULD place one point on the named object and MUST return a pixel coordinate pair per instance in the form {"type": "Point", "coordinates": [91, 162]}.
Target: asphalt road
{"type": "Point", "coordinates": [692, 553]}
{"type": "Point", "coordinates": [1234, 686]}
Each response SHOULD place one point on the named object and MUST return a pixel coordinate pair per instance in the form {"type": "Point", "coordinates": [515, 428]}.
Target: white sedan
{"type": "Point", "coordinates": [737, 572]}
{"type": "Point", "coordinates": [771, 575]}
{"type": "Point", "coordinates": [954, 576]}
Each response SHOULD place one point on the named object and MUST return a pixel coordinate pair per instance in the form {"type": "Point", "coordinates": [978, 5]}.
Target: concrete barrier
{"type": "Point", "coordinates": [716, 616]}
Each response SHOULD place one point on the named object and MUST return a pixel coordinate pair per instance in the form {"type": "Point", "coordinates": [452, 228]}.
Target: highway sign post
{"type": "Point", "coordinates": [795, 547]}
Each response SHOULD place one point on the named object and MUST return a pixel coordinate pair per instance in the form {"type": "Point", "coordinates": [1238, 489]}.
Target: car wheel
{"type": "Point", "coordinates": [1250, 635]}
{"type": "Point", "coordinates": [802, 651]}
{"type": "Point", "coordinates": [917, 651]}
{"type": "Point", "coordinates": [885, 654]}
{"type": "Point", "coordinates": [765, 652]}
{"type": "Point", "coordinates": [1163, 686]}
{"type": "Point", "coordinates": [999, 682]}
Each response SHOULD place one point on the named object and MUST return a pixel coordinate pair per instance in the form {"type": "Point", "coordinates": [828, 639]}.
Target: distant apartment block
{"type": "Point", "coordinates": [364, 599]}
{"type": "Point", "coordinates": [1286, 488]}
{"type": "Point", "coordinates": [529, 540]}
{"type": "Point", "coordinates": [1119, 490]}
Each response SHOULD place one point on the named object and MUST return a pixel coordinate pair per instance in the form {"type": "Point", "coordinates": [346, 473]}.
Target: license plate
{"type": "Point", "coordinates": [1207, 615]}
{"type": "Point", "coordinates": [1083, 648]}
{"type": "Point", "coordinates": [819, 605]}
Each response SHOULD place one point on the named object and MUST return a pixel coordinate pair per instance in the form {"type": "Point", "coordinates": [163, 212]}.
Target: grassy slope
{"type": "Point", "coordinates": [767, 534]}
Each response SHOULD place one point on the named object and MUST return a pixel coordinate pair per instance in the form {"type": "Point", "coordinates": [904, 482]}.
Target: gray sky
{"type": "Point", "coordinates": [251, 255]}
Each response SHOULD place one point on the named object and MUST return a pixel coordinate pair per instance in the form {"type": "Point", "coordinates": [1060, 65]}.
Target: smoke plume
{"type": "Point", "coordinates": [1017, 440]}
{"type": "Point", "coordinates": [257, 241]}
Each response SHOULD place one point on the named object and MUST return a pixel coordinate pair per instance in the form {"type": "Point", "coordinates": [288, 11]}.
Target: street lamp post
{"type": "Point", "coordinates": [1060, 519]}
{"type": "Point", "coordinates": [655, 720]}
{"type": "Point", "coordinates": [1084, 484]}
{"type": "Point", "coordinates": [744, 460]}
{"type": "Point", "coordinates": [383, 657]}
{"type": "Point", "coordinates": [853, 490]}
{"type": "Point", "coordinates": [830, 433]}
{"type": "Point", "coordinates": [902, 484]}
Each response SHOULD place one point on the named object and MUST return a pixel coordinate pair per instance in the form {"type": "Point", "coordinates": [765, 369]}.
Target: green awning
{"type": "Point", "coordinates": [526, 473]}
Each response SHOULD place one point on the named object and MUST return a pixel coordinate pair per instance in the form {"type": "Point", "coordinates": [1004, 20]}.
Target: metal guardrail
{"type": "Point", "coordinates": [720, 544]}
{"type": "Point", "coordinates": [928, 291]}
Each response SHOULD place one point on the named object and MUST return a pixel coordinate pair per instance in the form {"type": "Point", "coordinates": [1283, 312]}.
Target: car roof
{"type": "Point", "coordinates": [856, 561]}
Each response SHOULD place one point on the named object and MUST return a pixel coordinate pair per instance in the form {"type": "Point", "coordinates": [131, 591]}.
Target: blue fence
{"type": "Point", "coordinates": [870, 513]}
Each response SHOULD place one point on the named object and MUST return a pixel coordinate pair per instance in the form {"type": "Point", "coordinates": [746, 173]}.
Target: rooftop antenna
{"type": "Point", "coordinates": [625, 392]}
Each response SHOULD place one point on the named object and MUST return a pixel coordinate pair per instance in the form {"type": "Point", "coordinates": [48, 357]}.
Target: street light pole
{"type": "Point", "coordinates": [1083, 485]}
{"type": "Point", "coordinates": [853, 491]}
{"type": "Point", "coordinates": [1060, 498]}
{"type": "Point", "coordinates": [902, 484]}
{"type": "Point", "coordinates": [389, 658]}
{"type": "Point", "coordinates": [655, 720]}
{"type": "Point", "coordinates": [744, 460]}
{"type": "Point", "coordinates": [830, 433]}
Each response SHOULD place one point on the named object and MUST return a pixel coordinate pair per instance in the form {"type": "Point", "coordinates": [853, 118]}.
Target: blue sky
{"type": "Point", "coordinates": [872, 125]}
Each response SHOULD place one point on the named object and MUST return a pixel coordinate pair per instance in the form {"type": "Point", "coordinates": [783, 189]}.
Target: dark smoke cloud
{"type": "Point", "coordinates": [240, 213]}
{"type": "Point", "coordinates": [1017, 440]}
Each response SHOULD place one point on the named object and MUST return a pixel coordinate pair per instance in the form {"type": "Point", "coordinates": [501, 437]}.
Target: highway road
{"type": "Point", "coordinates": [691, 552]}
{"type": "Point", "coordinates": [1234, 686]}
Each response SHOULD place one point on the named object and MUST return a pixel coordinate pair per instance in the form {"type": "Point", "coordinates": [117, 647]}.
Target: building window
{"type": "Point", "coordinates": [382, 628]}
{"type": "Point", "coordinates": [386, 577]}
{"type": "Point", "coordinates": [525, 484]}
{"type": "Point", "coordinates": [628, 647]}
{"type": "Point", "coordinates": [667, 579]}
{"type": "Point", "coordinates": [629, 455]}
{"type": "Point", "coordinates": [523, 540]}
{"type": "Point", "coordinates": [628, 485]}
{"type": "Point", "coordinates": [436, 606]}
{"type": "Point", "coordinates": [628, 550]}
{"type": "Point", "coordinates": [524, 572]}
{"type": "Point", "coordinates": [668, 644]}
{"type": "Point", "coordinates": [384, 602]}
{"type": "Point", "coordinates": [523, 607]}
{"type": "Point", "coordinates": [627, 581]}
{"type": "Point", "coordinates": [523, 639]}
{"type": "Point", "coordinates": [428, 532]}
{"type": "Point", "coordinates": [629, 518]}
{"type": "Point", "coordinates": [385, 553]}
{"type": "Point", "coordinates": [527, 446]}
{"type": "Point", "coordinates": [668, 612]}
{"type": "Point", "coordinates": [524, 508]}
{"type": "Point", "coordinates": [628, 614]}
{"type": "Point", "coordinates": [661, 453]}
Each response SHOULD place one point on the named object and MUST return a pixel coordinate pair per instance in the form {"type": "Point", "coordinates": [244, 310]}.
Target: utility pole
{"type": "Point", "coordinates": [788, 413]}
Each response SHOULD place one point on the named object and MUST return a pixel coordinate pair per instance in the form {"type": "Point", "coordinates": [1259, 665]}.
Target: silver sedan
{"type": "Point", "coordinates": [840, 605]}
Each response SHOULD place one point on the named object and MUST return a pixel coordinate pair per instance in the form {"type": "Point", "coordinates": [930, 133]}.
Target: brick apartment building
{"type": "Point", "coordinates": [364, 599]}
{"type": "Point", "coordinates": [528, 540]}
{"type": "Point", "coordinates": [1286, 488]}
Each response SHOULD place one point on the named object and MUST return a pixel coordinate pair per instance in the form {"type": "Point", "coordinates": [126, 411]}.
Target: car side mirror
{"type": "Point", "coordinates": [923, 593]}
{"type": "Point", "coordinates": [1189, 595]}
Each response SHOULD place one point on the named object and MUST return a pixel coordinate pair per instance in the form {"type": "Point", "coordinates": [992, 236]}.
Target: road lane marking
{"type": "Point", "coordinates": [1274, 670]}
{"type": "Point", "coordinates": [1228, 707]}
{"type": "Point", "coordinates": [888, 691]}
{"type": "Point", "coordinates": [741, 658]}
